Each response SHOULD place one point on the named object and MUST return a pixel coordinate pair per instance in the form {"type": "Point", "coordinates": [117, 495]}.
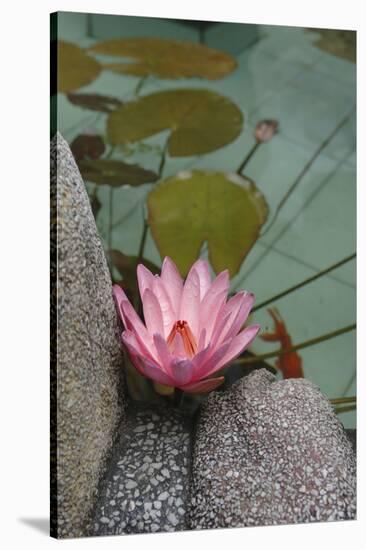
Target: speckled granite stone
{"type": "Point", "coordinates": [270, 452]}
{"type": "Point", "coordinates": [146, 489]}
{"type": "Point", "coordinates": [87, 379]}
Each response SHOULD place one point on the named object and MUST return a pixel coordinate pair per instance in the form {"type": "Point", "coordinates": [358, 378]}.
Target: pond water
{"type": "Point", "coordinates": [304, 79]}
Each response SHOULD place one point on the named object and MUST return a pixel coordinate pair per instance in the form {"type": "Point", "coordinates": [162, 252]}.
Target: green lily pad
{"type": "Point", "coordinates": [115, 173]}
{"type": "Point", "coordinates": [200, 121]}
{"type": "Point", "coordinates": [166, 58]}
{"type": "Point", "coordinates": [74, 67]}
{"type": "Point", "coordinates": [224, 209]}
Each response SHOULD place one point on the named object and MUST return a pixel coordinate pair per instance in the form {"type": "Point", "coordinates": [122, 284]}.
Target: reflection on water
{"type": "Point", "coordinates": [276, 212]}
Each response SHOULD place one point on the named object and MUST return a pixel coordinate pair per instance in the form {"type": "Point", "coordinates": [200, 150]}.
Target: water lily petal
{"type": "Point", "coordinates": [213, 301]}
{"type": "Point", "coordinates": [164, 355]}
{"type": "Point", "coordinates": [133, 350]}
{"type": "Point", "coordinates": [145, 366]}
{"type": "Point", "coordinates": [239, 306]}
{"type": "Point", "coordinates": [189, 307]}
{"type": "Point", "coordinates": [237, 346]}
{"type": "Point", "coordinates": [201, 340]}
{"type": "Point", "coordinates": [204, 385]}
{"type": "Point", "coordinates": [209, 310]}
{"type": "Point", "coordinates": [220, 283]}
{"type": "Point", "coordinates": [177, 346]}
{"type": "Point", "coordinates": [133, 321]}
{"type": "Point", "coordinates": [152, 313]}
{"type": "Point", "coordinates": [154, 372]}
{"type": "Point", "coordinates": [212, 362]}
{"type": "Point", "coordinates": [173, 284]}
{"type": "Point", "coordinates": [166, 307]}
{"type": "Point", "coordinates": [145, 279]}
{"type": "Point", "coordinates": [242, 315]}
{"type": "Point", "coordinates": [199, 359]}
{"type": "Point", "coordinates": [181, 371]}
{"type": "Point", "coordinates": [140, 346]}
{"type": "Point", "coordinates": [131, 343]}
{"type": "Point", "coordinates": [203, 272]}
{"type": "Point", "coordinates": [220, 328]}
{"type": "Point", "coordinates": [119, 296]}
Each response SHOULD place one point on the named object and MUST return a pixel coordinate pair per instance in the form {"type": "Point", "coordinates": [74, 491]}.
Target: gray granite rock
{"type": "Point", "coordinates": [270, 452]}
{"type": "Point", "coordinates": [352, 436]}
{"type": "Point", "coordinates": [87, 389]}
{"type": "Point", "coordinates": [146, 487]}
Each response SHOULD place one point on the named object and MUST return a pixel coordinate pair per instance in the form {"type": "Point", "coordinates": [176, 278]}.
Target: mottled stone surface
{"type": "Point", "coordinates": [146, 489]}
{"type": "Point", "coordinates": [87, 379]}
{"type": "Point", "coordinates": [270, 452]}
{"type": "Point", "coordinates": [352, 436]}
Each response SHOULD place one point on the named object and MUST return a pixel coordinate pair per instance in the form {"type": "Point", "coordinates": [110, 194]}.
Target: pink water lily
{"type": "Point", "coordinates": [191, 330]}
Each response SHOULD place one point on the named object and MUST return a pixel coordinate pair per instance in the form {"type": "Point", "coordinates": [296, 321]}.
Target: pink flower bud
{"type": "Point", "coordinates": [265, 130]}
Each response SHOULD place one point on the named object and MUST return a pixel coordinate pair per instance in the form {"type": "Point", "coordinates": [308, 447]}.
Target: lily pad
{"type": "Point", "coordinates": [75, 68]}
{"type": "Point", "coordinates": [95, 102]}
{"type": "Point", "coordinates": [166, 58]}
{"type": "Point", "coordinates": [115, 173]}
{"type": "Point", "coordinates": [224, 209]}
{"type": "Point", "coordinates": [126, 266]}
{"type": "Point", "coordinates": [200, 121]}
{"type": "Point", "coordinates": [95, 204]}
{"type": "Point", "coordinates": [87, 145]}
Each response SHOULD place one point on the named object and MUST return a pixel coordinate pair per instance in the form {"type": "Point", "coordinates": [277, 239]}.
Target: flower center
{"type": "Point", "coordinates": [189, 341]}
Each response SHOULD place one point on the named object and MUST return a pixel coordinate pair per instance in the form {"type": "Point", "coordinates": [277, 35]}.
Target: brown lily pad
{"type": "Point", "coordinates": [87, 146]}
{"type": "Point", "coordinates": [115, 173]}
{"type": "Point", "coordinates": [166, 58]}
{"type": "Point", "coordinates": [126, 266]}
{"type": "Point", "coordinates": [95, 102]}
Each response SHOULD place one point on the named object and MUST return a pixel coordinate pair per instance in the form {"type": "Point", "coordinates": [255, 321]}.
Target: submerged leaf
{"type": "Point", "coordinates": [126, 266]}
{"type": "Point", "coordinates": [166, 58]}
{"type": "Point", "coordinates": [95, 102]}
{"type": "Point", "coordinates": [74, 67]}
{"type": "Point", "coordinates": [115, 173]}
{"type": "Point", "coordinates": [200, 121]}
{"type": "Point", "coordinates": [139, 387]}
{"type": "Point", "coordinates": [87, 146]}
{"type": "Point", "coordinates": [224, 209]}
{"type": "Point", "coordinates": [341, 43]}
{"type": "Point", "coordinates": [95, 203]}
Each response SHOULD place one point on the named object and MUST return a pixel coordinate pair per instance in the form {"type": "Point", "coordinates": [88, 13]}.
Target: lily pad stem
{"type": "Point", "coordinates": [339, 410]}
{"type": "Point", "coordinates": [178, 397]}
{"type": "Point", "coordinates": [343, 400]}
{"type": "Point", "coordinates": [142, 242]}
{"type": "Point", "coordinates": [305, 344]}
{"type": "Point", "coordinates": [110, 215]}
{"type": "Point", "coordinates": [306, 168]}
{"type": "Point", "coordinates": [248, 157]}
{"type": "Point", "coordinates": [305, 282]}
{"type": "Point", "coordinates": [162, 160]}
{"type": "Point", "coordinates": [140, 83]}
